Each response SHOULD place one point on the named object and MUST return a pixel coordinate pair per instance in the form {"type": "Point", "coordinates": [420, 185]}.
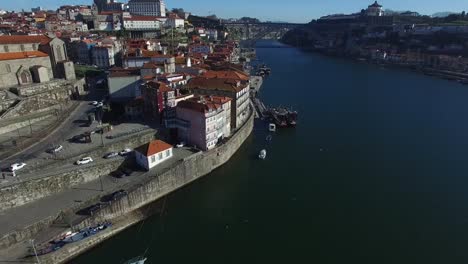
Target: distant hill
{"type": "Point", "coordinates": [443, 14]}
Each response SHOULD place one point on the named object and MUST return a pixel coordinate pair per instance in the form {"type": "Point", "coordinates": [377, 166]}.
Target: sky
{"type": "Point", "coordinates": [270, 10]}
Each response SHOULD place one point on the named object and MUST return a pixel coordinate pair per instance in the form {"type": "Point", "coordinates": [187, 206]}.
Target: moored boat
{"type": "Point", "coordinates": [262, 154]}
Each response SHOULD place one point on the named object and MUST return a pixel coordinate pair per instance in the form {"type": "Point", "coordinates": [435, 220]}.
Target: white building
{"type": "Point", "coordinates": [173, 21]}
{"type": "Point", "coordinates": [152, 154]}
{"type": "Point", "coordinates": [204, 120]}
{"type": "Point", "coordinates": [141, 23]}
{"type": "Point", "coordinates": [375, 10]}
{"type": "Point", "coordinates": [147, 7]}
{"type": "Point", "coordinates": [104, 54]}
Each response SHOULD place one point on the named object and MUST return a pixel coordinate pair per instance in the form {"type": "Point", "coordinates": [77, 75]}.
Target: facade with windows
{"type": "Point", "coordinates": [147, 7]}
{"type": "Point", "coordinates": [152, 154]}
{"type": "Point", "coordinates": [203, 121]}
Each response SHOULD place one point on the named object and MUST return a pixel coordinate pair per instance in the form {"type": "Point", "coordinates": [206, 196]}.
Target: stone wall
{"type": "Point", "coordinates": [185, 172]}
{"type": "Point", "coordinates": [9, 69]}
{"type": "Point", "coordinates": [120, 212]}
{"type": "Point", "coordinates": [29, 191]}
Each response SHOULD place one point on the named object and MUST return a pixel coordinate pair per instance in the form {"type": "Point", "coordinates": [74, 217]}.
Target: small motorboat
{"type": "Point", "coordinates": [272, 127]}
{"type": "Point", "coordinates": [262, 154]}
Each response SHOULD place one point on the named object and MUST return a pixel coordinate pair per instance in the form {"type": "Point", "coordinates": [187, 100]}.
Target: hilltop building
{"type": "Point", "coordinates": [147, 7]}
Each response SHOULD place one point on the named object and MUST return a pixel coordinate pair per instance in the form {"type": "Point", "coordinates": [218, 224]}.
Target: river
{"type": "Point", "coordinates": [376, 172]}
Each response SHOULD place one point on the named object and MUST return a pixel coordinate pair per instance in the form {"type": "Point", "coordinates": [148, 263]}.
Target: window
{"type": "Point", "coordinates": [6, 48]}
{"type": "Point", "coordinates": [153, 159]}
{"type": "Point", "coordinates": [160, 156]}
{"type": "Point", "coordinates": [8, 68]}
{"type": "Point", "coordinates": [22, 47]}
{"type": "Point", "coordinates": [168, 153]}
{"type": "Point", "coordinates": [34, 46]}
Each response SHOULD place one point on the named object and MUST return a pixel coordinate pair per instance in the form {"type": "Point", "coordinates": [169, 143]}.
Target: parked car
{"type": "Point", "coordinates": [94, 103]}
{"type": "Point", "coordinates": [125, 152]}
{"type": "Point", "coordinates": [127, 172]}
{"type": "Point", "coordinates": [100, 104]}
{"type": "Point", "coordinates": [118, 174]}
{"type": "Point", "coordinates": [180, 145]}
{"type": "Point", "coordinates": [93, 209]}
{"type": "Point", "coordinates": [83, 161]}
{"type": "Point", "coordinates": [118, 194]}
{"type": "Point", "coordinates": [76, 138]}
{"type": "Point", "coordinates": [111, 155]}
{"type": "Point", "coordinates": [55, 149]}
{"type": "Point", "coordinates": [17, 166]}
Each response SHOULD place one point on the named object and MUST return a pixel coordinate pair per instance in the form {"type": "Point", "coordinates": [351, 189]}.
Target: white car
{"type": "Point", "coordinates": [17, 166]}
{"type": "Point", "coordinates": [111, 155]}
{"type": "Point", "coordinates": [180, 145]}
{"type": "Point", "coordinates": [100, 104]}
{"type": "Point", "coordinates": [84, 161]}
{"type": "Point", "coordinates": [56, 149]}
{"type": "Point", "coordinates": [125, 152]}
{"type": "Point", "coordinates": [95, 103]}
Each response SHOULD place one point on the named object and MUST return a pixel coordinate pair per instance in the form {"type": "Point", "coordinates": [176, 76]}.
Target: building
{"type": "Point", "coordinates": [174, 21]}
{"type": "Point", "coordinates": [33, 59]}
{"type": "Point", "coordinates": [147, 7]}
{"type": "Point", "coordinates": [237, 90]}
{"type": "Point", "coordinates": [106, 53]}
{"type": "Point", "coordinates": [152, 154]}
{"type": "Point", "coordinates": [375, 10]}
{"type": "Point", "coordinates": [203, 121]}
{"type": "Point", "coordinates": [141, 23]}
{"type": "Point", "coordinates": [123, 84]}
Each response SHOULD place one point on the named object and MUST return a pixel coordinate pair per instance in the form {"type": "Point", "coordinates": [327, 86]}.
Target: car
{"type": "Point", "coordinates": [111, 155]}
{"type": "Point", "coordinates": [100, 104]}
{"type": "Point", "coordinates": [118, 174]}
{"type": "Point", "coordinates": [118, 194]}
{"type": "Point", "coordinates": [76, 138]}
{"type": "Point", "coordinates": [17, 166]}
{"type": "Point", "coordinates": [94, 103]}
{"type": "Point", "coordinates": [55, 149]}
{"type": "Point", "coordinates": [93, 209]}
{"type": "Point", "coordinates": [125, 152]}
{"type": "Point", "coordinates": [180, 145]}
{"type": "Point", "coordinates": [84, 161]}
{"type": "Point", "coordinates": [127, 172]}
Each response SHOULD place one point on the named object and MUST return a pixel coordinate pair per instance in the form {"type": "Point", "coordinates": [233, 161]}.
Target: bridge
{"type": "Point", "coordinates": [251, 32]}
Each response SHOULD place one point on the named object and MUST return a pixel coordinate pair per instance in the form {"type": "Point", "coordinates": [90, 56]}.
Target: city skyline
{"type": "Point", "coordinates": [268, 10]}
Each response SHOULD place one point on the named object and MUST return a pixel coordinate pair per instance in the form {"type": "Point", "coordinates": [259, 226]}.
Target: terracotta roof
{"type": "Point", "coordinates": [23, 39]}
{"type": "Point", "coordinates": [204, 104]}
{"type": "Point", "coordinates": [154, 147]}
{"type": "Point", "coordinates": [21, 55]}
{"type": "Point", "coordinates": [229, 85]}
{"type": "Point", "coordinates": [142, 18]}
{"type": "Point", "coordinates": [226, 74]}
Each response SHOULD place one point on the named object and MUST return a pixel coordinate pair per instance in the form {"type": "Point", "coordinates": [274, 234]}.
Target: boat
{"type": "Point", "coordinates": [272, 127]}
{"type": "Point", "coordinates": [283, 117]}
{"type": "Point", "coordinates": [269, 138]}
{"type": "Point", "coordinates": [262, 154]}
{"type": "Point", "coordinates": [137, 260]}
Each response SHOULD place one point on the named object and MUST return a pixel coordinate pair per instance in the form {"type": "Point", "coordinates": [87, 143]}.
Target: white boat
{"type": "Point", "coordinates": [137, 260]}
{"type": "Point", "coordinates": [262, 154]}
{"type": "Point", "coordinates": [272, 127]}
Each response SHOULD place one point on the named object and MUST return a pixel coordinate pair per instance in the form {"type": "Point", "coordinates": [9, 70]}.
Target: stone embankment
{"type": "Point", "coordinates": [128, 210]}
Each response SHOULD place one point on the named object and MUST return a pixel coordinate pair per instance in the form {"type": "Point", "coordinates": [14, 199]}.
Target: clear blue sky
{"type": "Point", "coordinates": [292, 10]}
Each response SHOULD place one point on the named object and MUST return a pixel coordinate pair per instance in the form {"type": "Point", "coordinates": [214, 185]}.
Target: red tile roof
{"type": "Point", "coordinates": [227, 75]}
{"type": "Point", "coordinates": [21, 55]}
{"type": "Point", "coordinates": [204, 104]}
{"type": "Point", "coordinates": [154, 147]}
{"type": "Point", "coordinates": [24, 39]}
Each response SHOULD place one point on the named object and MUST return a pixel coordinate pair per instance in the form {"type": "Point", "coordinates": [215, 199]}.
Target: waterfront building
{"type": "Point", "coordinates": [203, 121]}
{"type": "Point", "coordinates": [152, 154]}
{"type": "Point", "coordinates": [237, 90]}
{"type": "Point", "coordinates": [147, 7]}
{"type": "Point", "coordinates": [375, 10]}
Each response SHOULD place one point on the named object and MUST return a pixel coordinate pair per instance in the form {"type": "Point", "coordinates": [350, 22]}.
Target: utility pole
{"type": "Point", "coordinates": [35, 252]}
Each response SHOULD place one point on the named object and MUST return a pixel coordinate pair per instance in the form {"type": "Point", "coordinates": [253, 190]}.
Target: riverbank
{"type": "Point", "coordinates": [130, 209]}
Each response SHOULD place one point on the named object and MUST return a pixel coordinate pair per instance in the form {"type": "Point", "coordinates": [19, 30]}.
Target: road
{"type": "Point", "coordinates": [79, 196]}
